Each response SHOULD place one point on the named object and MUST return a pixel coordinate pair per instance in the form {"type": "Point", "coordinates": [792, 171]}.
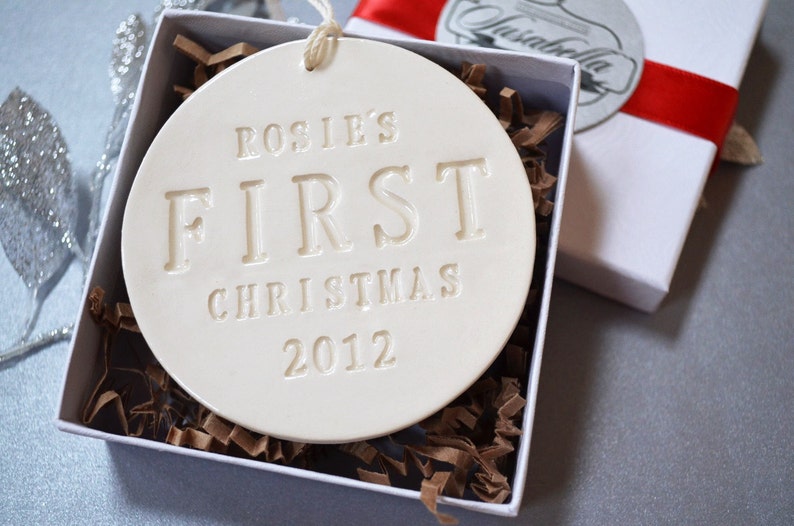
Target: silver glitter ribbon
{"type": "Point", "coordinates": [38, 201]}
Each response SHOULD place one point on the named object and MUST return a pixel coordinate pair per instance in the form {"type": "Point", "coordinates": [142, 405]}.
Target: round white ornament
{"type": "Point", "coordinates": [329, 255]}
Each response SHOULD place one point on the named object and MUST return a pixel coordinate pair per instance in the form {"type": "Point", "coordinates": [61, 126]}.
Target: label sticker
{"type": "Point", "coordinates": [331, 255]}
{"type": "Point", "coordinates": [603, 37]}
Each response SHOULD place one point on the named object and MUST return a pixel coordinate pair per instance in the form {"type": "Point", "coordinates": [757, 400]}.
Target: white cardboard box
{"type": "Point", "coordinates": [635, 185]}
{"type": "Point", "coordinates": [549, 83]}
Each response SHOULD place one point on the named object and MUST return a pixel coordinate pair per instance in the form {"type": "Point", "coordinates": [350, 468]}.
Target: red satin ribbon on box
{"type": "Point", "coordinates": [665, 95]}
{"type": "Point", "coordinates": [686, 101]}
{"type": "Point", "coordinates": [415, 17]}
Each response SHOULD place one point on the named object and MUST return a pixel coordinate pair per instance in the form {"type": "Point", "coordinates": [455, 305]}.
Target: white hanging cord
{"type": "Point", "coordinates": [317, 43]}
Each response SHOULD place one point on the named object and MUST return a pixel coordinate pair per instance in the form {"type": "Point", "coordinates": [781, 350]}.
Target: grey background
{"type": "Point", "coordinates": [685, 416]}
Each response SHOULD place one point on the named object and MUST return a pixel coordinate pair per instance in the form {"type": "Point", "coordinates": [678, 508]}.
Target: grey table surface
{"type": "Point", "coordinates": [684, 416]}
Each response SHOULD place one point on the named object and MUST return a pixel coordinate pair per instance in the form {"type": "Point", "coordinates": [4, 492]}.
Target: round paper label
{"type": "Point", "coordinates": [332, 255]}
{"type": "Point", "coordinates": [602, 36]}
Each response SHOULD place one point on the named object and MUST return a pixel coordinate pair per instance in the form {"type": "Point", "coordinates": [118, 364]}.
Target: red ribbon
{"type": "Point", "coordinates": [686, 101]}
{"type": "Point", "coordinates": [415, 17]}
{"type": "Point", "coordinates": [665, 95]}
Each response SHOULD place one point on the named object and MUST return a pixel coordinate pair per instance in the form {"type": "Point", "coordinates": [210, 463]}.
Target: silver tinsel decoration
{"type": "Point", "coordinates": [37, 203]}
{"type": "Point", "coordinates": [38, 199]}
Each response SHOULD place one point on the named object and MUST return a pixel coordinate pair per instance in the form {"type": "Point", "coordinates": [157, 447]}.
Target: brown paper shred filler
{"type": "Point", "coordinates": [472, 75]}
{"type": "Point", "coordinates": [191, 49]}
{"type": "Point", "coordinates": [430, 491]}
{"type": "Point", "coordinates": [740, 147]}
{"type": "Point", "coordinates": [208, 64]}
{"type": "Point", "coordinates": [528, 130]}
{"type": "Point", "coordinates": [231, 53]}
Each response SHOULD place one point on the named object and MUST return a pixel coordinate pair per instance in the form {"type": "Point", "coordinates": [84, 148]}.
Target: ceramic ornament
{"type": "Point", "coordinates": [329, 253]}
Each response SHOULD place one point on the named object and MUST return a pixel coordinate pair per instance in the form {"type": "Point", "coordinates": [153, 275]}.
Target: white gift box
{"type": "Point", "coordinates": [548, 83]}
{"type": "Point", "coordinates": [634, 184]}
